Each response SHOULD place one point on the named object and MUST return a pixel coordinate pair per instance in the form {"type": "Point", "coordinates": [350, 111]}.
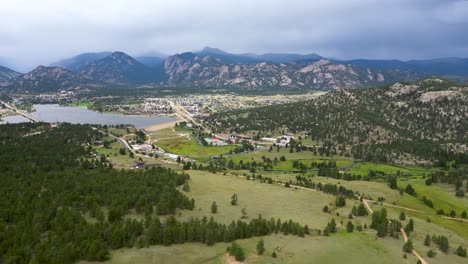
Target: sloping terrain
{"type": "Point", "coordinates": [191, 69]}
{"type": "Point", "coordinates": [118, 68]}
{"type": "Point", "coordinates": [428, 119]}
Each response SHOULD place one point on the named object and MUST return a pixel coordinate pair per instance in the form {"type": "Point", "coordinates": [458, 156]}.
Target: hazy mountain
{"type": "Point", "coordinates": [192, 69]}
{"type": "Point", "coordinates": [215, 67]}
{"type": "Point", "coordinates": [253, 58]}
{"type": "Point", "coordinates": [151, 61]}
{"type": "Point", "coordinates": [80, 60]}
{"type": "Point", "coordinates": [119, 68]}
{"type": "Point", "coordinates": [286, 57]}
{"type": "Point", "coordinates": [225, 56]}
{"type": "Point", "coordinates": [441, 66]}
{"type": "Point", "coordinates": [45, 79]}
{"type": "Point", "coordinates": [7, 75]}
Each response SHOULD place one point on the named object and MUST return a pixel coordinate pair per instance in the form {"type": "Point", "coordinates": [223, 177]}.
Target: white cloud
{"type": "Point", "coordinates": [43, 31]}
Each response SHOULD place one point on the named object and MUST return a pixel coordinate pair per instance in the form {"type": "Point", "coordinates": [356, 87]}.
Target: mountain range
{"type": "Point", "coordinates": [212, 67]}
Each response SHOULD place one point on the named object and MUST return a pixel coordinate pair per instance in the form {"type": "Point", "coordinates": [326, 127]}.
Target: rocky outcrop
{"type": "Point", "coordinates": [43, 79]}
{"type": "Point", "coordinates": [192, 69]}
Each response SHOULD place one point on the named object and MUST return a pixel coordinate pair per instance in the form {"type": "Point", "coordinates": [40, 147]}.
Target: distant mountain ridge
{"type": "Point", "coordinates": [118, 68]}
{"type": "Point", "coordinates": [212, 67]}
{"type": "Point", "coordinates": [45, 79]}
{"type": "Point", "coordinates": [441, 66]}
{"type": "Point", "coordinates": [7, 75]}
{"type": "Point", "coordinates": [192, 69]}
{"type": "Point", "coordinates": [80, 60]}
{"type": "Point", "coordinates": [254, 58]}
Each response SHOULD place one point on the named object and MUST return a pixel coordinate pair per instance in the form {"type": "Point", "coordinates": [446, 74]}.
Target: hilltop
{"type": "Point", "coordinates": [417, 121]}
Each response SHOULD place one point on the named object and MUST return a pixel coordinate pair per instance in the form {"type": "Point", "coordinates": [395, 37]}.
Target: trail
{"type": "Point", "coordinates": [401, 207]}
{"type": "Point", "coordinates": [405, 237]}
{"type": "Point", "coordinates": [367, 205]}
{"type": "Point", "coordinates": [455, 219]}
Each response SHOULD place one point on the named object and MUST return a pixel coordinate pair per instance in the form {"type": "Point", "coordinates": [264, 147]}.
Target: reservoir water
{"type": "Point", "coordinates": [79, 115]}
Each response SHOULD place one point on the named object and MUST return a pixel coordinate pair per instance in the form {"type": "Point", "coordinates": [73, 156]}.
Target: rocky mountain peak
{"type": "Point", "coordinates": [117, 68]}
{"type": "Point", "coordinates": [44, 78]}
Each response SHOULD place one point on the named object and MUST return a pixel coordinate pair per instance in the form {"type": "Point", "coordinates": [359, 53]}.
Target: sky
{"type": "Point", "coordinates": [34, 32]}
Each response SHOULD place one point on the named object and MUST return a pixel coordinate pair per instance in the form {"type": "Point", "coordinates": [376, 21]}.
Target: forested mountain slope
{"type": "Point", "coordinates": [426, 119]}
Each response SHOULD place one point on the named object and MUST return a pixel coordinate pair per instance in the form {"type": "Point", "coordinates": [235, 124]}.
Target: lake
{"type": "Point", "coordinates": [53, 113]}
{"type": "Point", "coordinates": [14, 119]}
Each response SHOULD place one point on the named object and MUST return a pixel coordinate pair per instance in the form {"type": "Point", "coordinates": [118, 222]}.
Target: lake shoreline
{"type": "Point", "coordinates": [157, 127]}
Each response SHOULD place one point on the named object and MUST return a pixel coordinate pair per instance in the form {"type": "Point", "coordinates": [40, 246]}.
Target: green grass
{"type": "Point", "coordinates": [182, 142]}
{"type": "Point", "coordinates": [121, 131]}
{"type": "Point", "coordinates": [82, 104]}
{"type": "Point", "coordinates": [306, 157]}
{"type": "Point", "coordinates": [268, 200]}
{"type": "Point", "coordinates": [442, 195]}
{"type": "Point", "coordinates": [299, 205]}
{"type": "Point", "coordinates": [365, 167]}
{"type": "Point", "coordinates": [422, 228]}
{"type": "Point", "coordinates": [355, 248]}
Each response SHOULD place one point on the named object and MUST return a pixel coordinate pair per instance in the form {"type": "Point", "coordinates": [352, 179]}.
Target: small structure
{"type": "Point", "coordinates": [144, 147]}
{"type": "Point", "coordinates": [171, 156]}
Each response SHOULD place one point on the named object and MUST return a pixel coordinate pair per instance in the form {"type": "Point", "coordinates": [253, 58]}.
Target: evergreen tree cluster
{"type": "Point", "coordinates": [380, 124]}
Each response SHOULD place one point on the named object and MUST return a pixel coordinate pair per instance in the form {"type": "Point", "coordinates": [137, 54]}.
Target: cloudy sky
{"type": "Point", "coordinates": [42, 31]}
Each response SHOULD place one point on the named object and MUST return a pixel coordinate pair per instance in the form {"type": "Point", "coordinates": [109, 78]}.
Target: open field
{"type": "Point", "coordinates": [306, 157]}
{"type": "Point", "coordinates": [182, 142]}
{"type": "Point", "coordinates": [356, 248]}
{"type": "Point", "coordinates": [442, 195]}
{"type": "Point", "coordinates": [121, 131]}
{"type": "Point", "coordinates": [365, 167]}
{"type": "Point", "coordinates": [268, 200]}
{"type": "Point", "coordinates": [303, 206]}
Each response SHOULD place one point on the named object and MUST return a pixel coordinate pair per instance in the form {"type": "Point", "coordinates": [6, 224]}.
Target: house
{"type": "Point", "coordinates": [143, 147]}
{"type": "Point", "coordinates": [171, 156]}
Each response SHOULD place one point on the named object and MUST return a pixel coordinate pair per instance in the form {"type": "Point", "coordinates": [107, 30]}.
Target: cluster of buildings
{"type": "Point", "coordinates": [281, 141]}
{"type": "Point", "coordinates": [150, 106]}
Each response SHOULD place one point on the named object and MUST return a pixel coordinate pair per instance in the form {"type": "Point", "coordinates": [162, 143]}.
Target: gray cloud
{"type": "Point", "coordinates": [39, 32]}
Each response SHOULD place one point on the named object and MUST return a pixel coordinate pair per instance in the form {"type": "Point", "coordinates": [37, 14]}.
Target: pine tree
{"type": "Point", "coordinates": [260, 247]}
{"type": "Point", "coordinates": [408, 246]}
{"type": "Point", "coordinates": [402, 216]}
{"type": "Point", "coordinates": [461, 251]}
{"type": "Point", "coordinates": [349, 227]}
{"type": "Point", "coordinates": [410, 190]}
{"type": "Point", "coordinates": [431, 253]}
{"type": "Point", "coordinates": [234, 199]}
{"type": "Point", "coordinates": [214, 208]}
{"type": "Point", "coordinates": [244, 213]}
{"type": "Point", "coordinates": [427, 241]}
{"type": "Point", "coordinates": [443, 244]}
{"type": "Point", "coordinates": [361, 210]}
{"type": "Point", "coordinates": [236, 251]}
{"type": "Point", "coordinates": [325, 209]}
{"type": "Point", "coordinates": [409, 227]}
{"type": "Point", "coordinates": [340, 201]}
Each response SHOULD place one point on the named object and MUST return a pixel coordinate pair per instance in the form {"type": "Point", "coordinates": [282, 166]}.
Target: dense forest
{"type": "Point", "coordinates": [60, 204]}
{"type": "Point", "coordinates": [423, 120]}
